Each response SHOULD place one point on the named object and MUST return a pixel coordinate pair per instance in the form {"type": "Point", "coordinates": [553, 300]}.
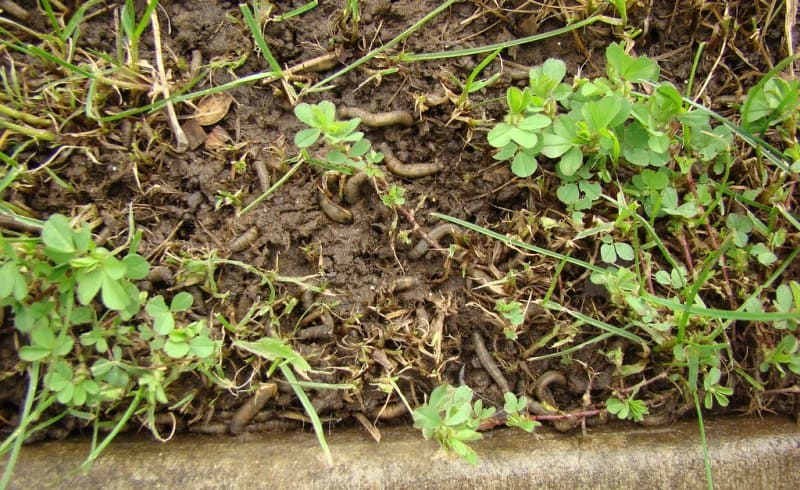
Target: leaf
{"type": "Point", "coordinates": [624, 251]}
{"type": "Point", "coordinates": [42, 336]}
{"type": "Point", "coordinates": [156, 306]}
{"type": "Point", "coordinates": [164, 323]}
{"type": "Point", "coordinates": [663, 278]}
{"type": "Point", "coordinates": [524, 138]}
{"type": "Point", "coordinates": [426, 416]}
{"type": "Point", "coordinates": [621, 65]}
{"type": "Point", "coordinates": [784, 298]}
{"type": "Point", "coordinates": [57, 234]}
{"type": "Point", "coordinates": [112, 266]}
{"type": "Point", "coordinates": [304, 113]}
{"type": "Point", "coordinates": [181, 302]}
{"type": "Point", "coordinates": [136, 266]}
{"type": "Point", "coordinates": [326, 112]}
{"type": "Point", "coordinates": [32, 353]}
{"type": "Point", "coordinates": [336, 157]}
{"type": "Point", "coordinates": [659, 143]}
{"type": "Point", "coordinates": [113, 294]}
{"type": "Point", "coordinates": [568, 193]}
{"type": "Point", "coordinates": [555, 69]}
{"type": "Point", "coordinates": [12, 281]}
{"type": "Point", "coordinates": [176, 350]}
{"type": "Point", "coordinates": [534, 122]}
{"type": "Point", "coordinates": [515, 100]}
{"type": "Point", "coordinates": [89, 283]}
{"type": "Point", "coordinates": [571, 162]}
{"type": "Point", "coordinates": [202, 347]}
{"type": "Point", "coordinates": [464, 451]}
{"type": "Point", "coordinates": [306, 137]}
{"type": "Point", "coordinates": [275, 349]}
{"type": "Point", "coordinates": [345, 129]}
{"type": "Point", "coordinates": [500, 135]}
{"type": "Point", "coordinates": [64, 346]}
{"type": "Point", "coordinates": [506, 152]}
{"type": "Point", "coordinates": [359, 148]}
{"type": "Point", "coordinates": [211, 109]}
{"type": "Point", "coordinates": [601, 113]}
{"type": "Point", "coordinates": [554, 145]}
{"type": "Point", "coordinates": [607, 253]}
{"type": "Point", "coordinates": [524, 164]}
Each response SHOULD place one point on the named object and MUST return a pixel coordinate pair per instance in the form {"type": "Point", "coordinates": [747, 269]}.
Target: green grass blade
{"type": "Point", "coordinates": [54, 24]}
{"type": "Point", "coordinates": [272, 189]}
{"type": "Point", "coordinates": [745, 111]}
{"type": "Point", "coordinates": [310, 411]}
{"type": "Point", "coordinates": [457, 53]}
{"type": "Point", "coordinates": [620, 332]}
{"type": "Point", "coordinates": [77, 18]}
{"type": "Point", "coordinates": [18, 435]}
{"type": "Point", "coordinates": [145, 20]}
{"type": "Point", "coordinates": [95, 453]}
{"type": "Point", "coordinates": [298, 11]}
{"type": "Point", "coordinates": [258, 36]}
{"type": "Point", "coordinates": [574, 348]}
{"type": "Point", "coordinates": [517, 243]}
{"type": "Point", "coordinates": [375, 52]}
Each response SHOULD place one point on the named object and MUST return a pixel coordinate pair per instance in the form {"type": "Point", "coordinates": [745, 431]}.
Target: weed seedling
{"type": "Point", "coordinates": [348, 150]}
{"type": "Point", "coordinates": [288, 361]}
{"type": "Point", "coordinates": [452, 419]}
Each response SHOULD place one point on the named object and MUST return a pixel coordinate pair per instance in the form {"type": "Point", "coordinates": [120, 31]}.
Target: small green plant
{"type": "Point", "coordinates": [593, 127]}
{"type": "Point", "coordinates": [225, 198]}
{"type": "Point", "coordinates": [514, 313]}
{"type": "Point", "coordinates": [133, 28]}
{"type": "Point", "coordinates": [452, 419]}
{"type": "Point", "coordinates": [286, 359]}
{"type": "Point", "coordinates": [514, 408]}
{"type": "Point", "coordinates": [394, 197]}
{"type": "Point", "coordinates": [348, 150]}
{"type": "Point", "coordinates": [52, 284]}
{"type": "Point", "coordinates": [627, 408]}
{"type": "Point", "coordinates": [785, 354]}
{"type": "Point", "coordinates": [714, 391]}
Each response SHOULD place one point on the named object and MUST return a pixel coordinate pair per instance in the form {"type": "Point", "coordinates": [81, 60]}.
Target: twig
{"type": "Point", "coordinates": [180, 136]}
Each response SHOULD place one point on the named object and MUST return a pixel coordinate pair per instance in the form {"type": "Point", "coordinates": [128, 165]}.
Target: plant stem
{"type": "Point", "coordinates": [375, 52]}
{"type": "Point", "coordinates": [117, 428]}
{"type": "Point", "coordinates": [706, 456]}
{"type": "Point", "coordinates": [19, 434]}
{"type": "Point", "coordinates": [272, 189]}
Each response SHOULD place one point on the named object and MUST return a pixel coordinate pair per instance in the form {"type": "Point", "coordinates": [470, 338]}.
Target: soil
{"type": "Point", "coordinates": [416, 320]}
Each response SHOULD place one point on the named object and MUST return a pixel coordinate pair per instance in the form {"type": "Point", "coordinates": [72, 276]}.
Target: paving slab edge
{"type": "Point", "coordinates": [745, 452]}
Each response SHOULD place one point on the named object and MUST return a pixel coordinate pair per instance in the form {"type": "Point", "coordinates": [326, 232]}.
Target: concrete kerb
{"type": "Point", "coordinates": [746, 453]}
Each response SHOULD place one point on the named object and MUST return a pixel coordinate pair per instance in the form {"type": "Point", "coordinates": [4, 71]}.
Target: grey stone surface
{"type": "Point", "coordinates": [746, 453]}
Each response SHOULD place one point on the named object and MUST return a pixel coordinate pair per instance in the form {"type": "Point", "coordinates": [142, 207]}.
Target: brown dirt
{"type": "Point", "coordinates": [377, 330]}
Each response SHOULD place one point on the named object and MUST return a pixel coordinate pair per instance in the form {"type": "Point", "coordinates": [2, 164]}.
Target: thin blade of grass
{"type": "Point", "coordinates": [310, 411]}
{"type": "Point", "coordinates": [298, 11]}
{"type": "Point", "coordinates": [517, 243]}
{"type": "Point", "coordinates": [457, 53]}
{"type": "Point", "coordinates": [375, 52]}
{"type": "Point", "coordinates": [620, 332]}
{"type": "Point", "coordinates": [258, 36]}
